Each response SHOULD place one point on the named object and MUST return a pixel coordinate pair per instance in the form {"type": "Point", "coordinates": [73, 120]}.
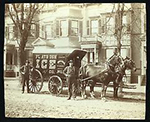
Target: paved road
{"type": "Point", "coordinates": [131, 106]}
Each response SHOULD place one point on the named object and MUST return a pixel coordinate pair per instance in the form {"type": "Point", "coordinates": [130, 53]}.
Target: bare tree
{"type": "Point", "coordinates": [119, 26]}
{"type": "Point", "coordinates": [22, 15]}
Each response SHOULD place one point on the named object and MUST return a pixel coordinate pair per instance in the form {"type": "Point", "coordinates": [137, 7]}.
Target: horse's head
{"type": "Point", "coordinates": [130, 64]}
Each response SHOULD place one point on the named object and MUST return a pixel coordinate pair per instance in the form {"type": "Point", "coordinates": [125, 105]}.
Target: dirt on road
{"type": "Point", "coordinates": [131, 106]}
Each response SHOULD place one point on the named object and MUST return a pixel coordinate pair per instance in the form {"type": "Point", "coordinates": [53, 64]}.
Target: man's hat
{"type": "Point", "coordinates": [115, 50]}
{"type": "Point", "coordinates": [27, 61]}
{"type": "Point", "coordinates": [71, 61]}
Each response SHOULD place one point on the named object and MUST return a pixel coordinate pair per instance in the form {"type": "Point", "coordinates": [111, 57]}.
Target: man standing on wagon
{"type": "Point", "coordinates": [69, 72]}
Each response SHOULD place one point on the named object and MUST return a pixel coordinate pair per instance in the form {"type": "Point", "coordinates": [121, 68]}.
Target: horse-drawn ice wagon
{"type": "Point", "coordinates": [48, 66]}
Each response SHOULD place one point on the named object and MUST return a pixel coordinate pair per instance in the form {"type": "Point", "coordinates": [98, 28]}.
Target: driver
{"type": "Point", "coordinates": [111, 63]}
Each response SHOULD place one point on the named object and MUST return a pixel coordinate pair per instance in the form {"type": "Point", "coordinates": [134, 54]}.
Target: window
{"type": "Point", "coordinates": [6, 32]}
{"type": "Point", "coordinates": [33, 27]}
{"type": "Point", "coordinates": [74, 27]}
{"type": "Point", "coordinates": [11, 34]}
{"type": "Point", "coordinates": [110, 23]}
{"type": "Point", "coordinates": [94, 27]}
{"type": "Point", "coordinates": [124, 20]}
{"type": "Point", "coordinates": [33, 30]}
{"type": "Point", "coordinates": [144, 23]}
{"type": "Point", "coordinates": [126, 26]}
{"type": "Point", "coordinates": [109, 53]}
{"type": "Point", "coordinates": [63, 28]}
{"type": "Point", "coordinates": [48, 29]}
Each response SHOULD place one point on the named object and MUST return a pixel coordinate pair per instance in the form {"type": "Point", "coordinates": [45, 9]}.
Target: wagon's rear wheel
{"type": "Point", "coordinates": [55, 85]}
{"type": "Point", "coordinates": [35, 81]}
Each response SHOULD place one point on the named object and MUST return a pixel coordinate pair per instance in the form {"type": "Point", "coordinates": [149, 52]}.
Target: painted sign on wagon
{"type": "Point", "coordinates": [49, 63]}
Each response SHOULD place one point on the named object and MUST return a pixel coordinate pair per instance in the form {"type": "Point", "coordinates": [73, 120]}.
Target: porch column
{"type": "Point", "coordinates": [95, 60]}
{"type": "Point", "coordinates": [4, 59]}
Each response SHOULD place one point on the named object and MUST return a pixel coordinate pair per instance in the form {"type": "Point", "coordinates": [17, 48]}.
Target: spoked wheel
{"type": "Point", "coordinates": [55, 85]}
{"type": "Point", "coordinates": [36, 81]}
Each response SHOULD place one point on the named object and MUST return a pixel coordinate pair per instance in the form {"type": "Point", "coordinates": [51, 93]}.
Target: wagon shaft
{"type": "Point", "coordinates": [92, 76]}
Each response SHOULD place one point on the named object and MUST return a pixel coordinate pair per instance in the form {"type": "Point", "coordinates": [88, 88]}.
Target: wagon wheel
{"type": "Point", "coordinates": [55, 85]}
{"type": "Point", "coordinates": [35, 81]}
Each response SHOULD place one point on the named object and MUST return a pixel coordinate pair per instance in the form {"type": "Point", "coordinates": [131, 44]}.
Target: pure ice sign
{"type": "Point", "coordinates": [45, 61]}
{"type": "Point", "coordinates": [51, 63]}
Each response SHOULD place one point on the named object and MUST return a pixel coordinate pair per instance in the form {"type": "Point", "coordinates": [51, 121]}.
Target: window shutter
{"type": "Point", "coordinates": [99, 26]}
{"type": "Point", "coordinates": [103, 25]}
{"type": "Point", "coordinates": [52, 31]}
{"type": "Point", "coordinates": [6, 32]}
{"type": "Point", "coordinates": [88, 27]}
{"type": "Point", "coordinates": [15, 31]}
{"type": "Point", "coordinates": [69, 28]}
{"type": "Point", "coordinates": [37, 30]}
{"type": "Point", "coordinates": [15, 58]}
{"type": "Point", "coordinates": [80, 28]}
{"type": "Point", "coordinates": [43, 31]}
{"type": "Point", "coordinates": [57, 28]}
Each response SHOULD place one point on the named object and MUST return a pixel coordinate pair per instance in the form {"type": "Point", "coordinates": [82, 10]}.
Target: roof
{"type": "Point", "coordinates": [42, 42]}
{"type": "Point", "coordinates": [44, 50]}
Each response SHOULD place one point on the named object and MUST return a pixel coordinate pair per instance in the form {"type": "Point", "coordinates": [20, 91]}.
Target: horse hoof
{"type": "Point", "coordinates": [104, 99]}
{"type": "Point", "coordinates": [84, 97]}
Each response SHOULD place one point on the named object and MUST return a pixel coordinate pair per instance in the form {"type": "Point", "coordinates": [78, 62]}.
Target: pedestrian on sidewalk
{"type": "Point", "coordinates": [69, 72]}
{"type": "Point", "coordinates": [25, 71]}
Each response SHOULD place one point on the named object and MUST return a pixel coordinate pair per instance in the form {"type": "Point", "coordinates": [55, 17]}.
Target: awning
{"type": "Point", "coordinates": [43, 50]}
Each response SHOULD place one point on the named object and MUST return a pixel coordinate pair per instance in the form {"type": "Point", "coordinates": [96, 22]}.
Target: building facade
{"type": "Point", "coordinates": [86, 26]}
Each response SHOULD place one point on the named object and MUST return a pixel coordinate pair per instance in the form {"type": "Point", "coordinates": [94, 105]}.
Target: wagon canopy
{"type": "Point", "coordinates": [77, 53]}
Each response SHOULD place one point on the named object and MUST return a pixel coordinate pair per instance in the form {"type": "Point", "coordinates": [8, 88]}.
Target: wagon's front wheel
{"type": "Point", "coordinates": [35, 81]}
{"type": "Point", "coordinates": [55, 85]}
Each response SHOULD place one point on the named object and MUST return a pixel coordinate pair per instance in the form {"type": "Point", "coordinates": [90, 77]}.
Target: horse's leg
{"type": "Point", "coordinates": [121, 86]}
{"type": "Point", "coordinates": [84, 89]}
{"type": "Point", "coordinates": [102, 91]}
{"type": "Point", "coordinates": [105, 89]}
{"type": "Point", "coordinates": [115, 88]}
{"type": "Point", "coordinates": [92, 89]}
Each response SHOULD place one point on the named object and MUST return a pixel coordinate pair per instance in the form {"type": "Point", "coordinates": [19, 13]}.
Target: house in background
{"type": "Point", "coordinates": [86, 26]}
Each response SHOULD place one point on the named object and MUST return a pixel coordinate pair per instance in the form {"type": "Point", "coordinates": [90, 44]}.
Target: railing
{"type": "Point", "coordinates": [10, 67]}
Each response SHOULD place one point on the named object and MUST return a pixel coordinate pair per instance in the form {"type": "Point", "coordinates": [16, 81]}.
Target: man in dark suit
{"type": "Point", "coordinates": [111, 60]}
{"type": "Point", "coordinates": [25, 70]}
{"type": "Point", "coordinates": [69, 72]}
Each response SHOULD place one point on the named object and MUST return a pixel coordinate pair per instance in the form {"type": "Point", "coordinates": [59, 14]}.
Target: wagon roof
{"type": "Point", "coordinates": [75, 53]}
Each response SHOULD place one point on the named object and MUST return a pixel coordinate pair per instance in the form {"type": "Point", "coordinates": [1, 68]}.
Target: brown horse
{"type": "Point", "coordinates": [95, 73]}
{"type": "Point", "coordinates": [105, 76]}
